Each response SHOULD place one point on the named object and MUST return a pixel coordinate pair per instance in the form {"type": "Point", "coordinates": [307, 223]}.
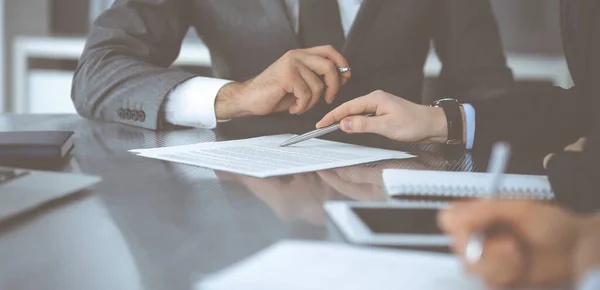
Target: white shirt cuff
{"type": "Point", "coordinates": [470, 120]}
{"type": "Point", "coordinates": [192, 103]}
{"type": "Point", "coordinates": [591, 281]}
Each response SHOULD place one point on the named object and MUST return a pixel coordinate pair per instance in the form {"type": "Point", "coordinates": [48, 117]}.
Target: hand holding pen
{"type": "Point", "coordinates": [387, 115]}
{"type": "Point", "coordinates": [296, 82]}
{"type": "Point", "coordinates": [395, 118]}
{"type": "Point", "coordinates": [546, 245]}
{"type": "Point", "coordinates": [496, 168]}
{"type": "Point", "coordinates": [515, 243]}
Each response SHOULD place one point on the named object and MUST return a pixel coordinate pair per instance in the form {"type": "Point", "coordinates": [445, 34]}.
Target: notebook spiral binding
{"type": "Point", "coordinates": [470, 191]}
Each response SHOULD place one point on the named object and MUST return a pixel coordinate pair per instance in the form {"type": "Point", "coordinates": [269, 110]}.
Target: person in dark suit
{"type": "Point", "coordinates": [280, 55]}
{"type": "Point", "coordinates": [536, 120]}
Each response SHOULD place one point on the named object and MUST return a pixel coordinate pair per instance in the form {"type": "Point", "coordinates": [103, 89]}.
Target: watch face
{"type": "Point", "coordinates": [453, 142]}
{"type": "Point", "coordinates": [439, 102]}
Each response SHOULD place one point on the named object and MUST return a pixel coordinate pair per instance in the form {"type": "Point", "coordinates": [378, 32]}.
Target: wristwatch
{"type": "Point", "coordinates": [454, 117]}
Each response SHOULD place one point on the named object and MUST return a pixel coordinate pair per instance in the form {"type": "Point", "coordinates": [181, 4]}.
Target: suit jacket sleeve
{"type": "Point", "coordinates": [540, 120]}
{"type": "Point", "coordinates": [125, 64]}
{"type": "Point", "coordinates": [467, 41]}
{"type": "Point", "coordinates": [575, 176]}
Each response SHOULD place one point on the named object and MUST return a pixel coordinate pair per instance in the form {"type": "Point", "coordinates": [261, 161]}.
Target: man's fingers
{"type": "Point", "coordinates": [332, 54]}
{"type": "Point", "coordinates": [357, 106]}
{"type": "Point", "coordinates": [301, 92]}
{"type": "Point", "coordinates": [315, 84]}
{"type": "Point", "coordinates": [328, 70]}
{"type": "Point", "coordinates": [503, 262]}
{"type": "Point", "coordinates": [467, 217]}
{"type": "Point", "coordinates": [285, 103]}
{"type": "Point", "coordinates": [362, 124]}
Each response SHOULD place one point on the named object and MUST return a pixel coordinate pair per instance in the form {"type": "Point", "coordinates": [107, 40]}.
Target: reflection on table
{"type": "Point", "coordinates": [169, 224]}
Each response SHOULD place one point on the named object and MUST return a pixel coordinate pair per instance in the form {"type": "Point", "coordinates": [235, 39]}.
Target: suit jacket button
{"type": "Point", "coordinates": [142, 116]}
{"type": "Point", "coordinates": [128, 114]}
{"type": "Point", "coordinates": [134, 115]}
{"type": "Point", "coordinates": [121, 113]}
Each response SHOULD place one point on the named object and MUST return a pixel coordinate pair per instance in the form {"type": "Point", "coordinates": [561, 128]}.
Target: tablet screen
{"type": "Point", "coordinates": [399, 220]}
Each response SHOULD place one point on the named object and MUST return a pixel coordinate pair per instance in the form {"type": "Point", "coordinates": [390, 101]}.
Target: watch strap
{"type": "Point", "coordinates": [454, 118]}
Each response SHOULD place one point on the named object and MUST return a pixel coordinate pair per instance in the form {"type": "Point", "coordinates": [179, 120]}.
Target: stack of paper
{"type": "Point", "coordinates": [295, 265]}
{"type": "Point", "coordinates": [262, 157]}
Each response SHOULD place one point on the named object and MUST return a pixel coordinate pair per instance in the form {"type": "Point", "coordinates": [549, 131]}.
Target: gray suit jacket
{"type": "Point", "coordinates": [124, 75]}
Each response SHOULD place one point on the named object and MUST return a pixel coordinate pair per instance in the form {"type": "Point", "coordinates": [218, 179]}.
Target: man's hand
{"type": "Point", "coordinates": [546, 250]}
{"type": "Point", "coordinates": [575, 147]}
{"type": "Point", "coordinates": [293, 83]}
{"type": "Point", "coordinates": [395, 118]}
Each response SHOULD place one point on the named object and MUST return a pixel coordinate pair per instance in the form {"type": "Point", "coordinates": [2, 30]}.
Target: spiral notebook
{"type": "Point", "coordinates": [400, 183]}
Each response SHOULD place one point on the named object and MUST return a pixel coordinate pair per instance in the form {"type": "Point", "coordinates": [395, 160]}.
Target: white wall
{"type": "Point", "coordinates": [2, 60]}
{"type": "Point", "coordinates": [21, 17]}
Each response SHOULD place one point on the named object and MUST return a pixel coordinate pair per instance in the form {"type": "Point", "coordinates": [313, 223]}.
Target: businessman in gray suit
{"type": "Point", "coordinates": [281, 56]}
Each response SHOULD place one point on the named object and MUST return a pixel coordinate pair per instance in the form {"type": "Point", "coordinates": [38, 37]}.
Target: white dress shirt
{"type": "Point", "coordinates": [470, 122]}
{"type": "Point", "coordinates": [192, 103]}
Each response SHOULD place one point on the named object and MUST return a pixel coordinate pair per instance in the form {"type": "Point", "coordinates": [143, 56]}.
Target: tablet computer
{"type": "Point", "coordinates": [389, 224]}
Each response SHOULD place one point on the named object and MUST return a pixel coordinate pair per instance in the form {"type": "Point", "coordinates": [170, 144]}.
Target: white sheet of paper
{"type": "Point", "coordinates": [262, 156]}
{"type": "Point", "coordinates": [299, 265]}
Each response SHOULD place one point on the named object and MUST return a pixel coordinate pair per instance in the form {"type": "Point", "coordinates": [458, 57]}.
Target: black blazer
{"type": "Point", "coordinates": [126, 61]}
{"type": "Point", "coordinates": [546, 120]}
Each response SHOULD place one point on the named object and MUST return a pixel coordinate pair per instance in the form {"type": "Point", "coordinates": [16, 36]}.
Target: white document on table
{"type": "Point", "coordinates": [298, 265]}
{"type": "Point", "coordinates": [262, 157]}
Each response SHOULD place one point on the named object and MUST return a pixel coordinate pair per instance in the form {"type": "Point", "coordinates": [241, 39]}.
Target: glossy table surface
{"type": "Point", "coordinates": [158, 225]}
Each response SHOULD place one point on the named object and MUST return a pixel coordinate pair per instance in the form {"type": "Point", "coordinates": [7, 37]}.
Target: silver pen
{"type": "Point", "coordinates": [496, 168]}
{"type": "Point", "coordinates": [314, 134]}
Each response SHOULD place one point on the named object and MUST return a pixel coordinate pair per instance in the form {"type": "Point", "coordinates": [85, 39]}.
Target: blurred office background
{"type": "Point", "coordinates": [42, 40]}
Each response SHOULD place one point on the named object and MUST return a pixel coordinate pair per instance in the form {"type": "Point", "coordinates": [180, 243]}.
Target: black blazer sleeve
{"type": "Point", "coordinates": [125, 64]}
{"type": "Point", "coordinates": [575, 177]}
{"type": "Point", "coordinates": [467, 41]}
{"type": "Point", "coordinates": [539, 120]}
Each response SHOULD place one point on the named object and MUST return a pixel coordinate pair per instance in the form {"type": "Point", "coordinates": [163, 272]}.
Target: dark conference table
{"type": "Point", "coordinates": [159, 225]}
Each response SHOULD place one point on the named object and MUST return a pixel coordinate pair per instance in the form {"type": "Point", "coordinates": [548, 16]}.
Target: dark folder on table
{"type": "Point", "coordinates": [34, 148]}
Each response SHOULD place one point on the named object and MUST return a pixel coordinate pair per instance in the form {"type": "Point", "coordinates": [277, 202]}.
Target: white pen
{"type": "Point", "coordinates": [496, 168]}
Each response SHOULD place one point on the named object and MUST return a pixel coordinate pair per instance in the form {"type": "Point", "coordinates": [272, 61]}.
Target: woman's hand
{"type": "Point", "coordinates": [395, 118]}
